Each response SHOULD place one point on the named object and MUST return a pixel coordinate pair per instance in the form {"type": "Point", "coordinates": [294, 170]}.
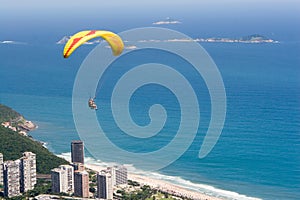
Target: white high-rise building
{"type": "Point", "coordinates": [119, 174]}
{"type": "Point", "coordinates": [1, 169]}
{"type": "Point", "coordinates": [104, 185]}
{"type": "Point", "coordinates": [27, 171]}
{"type": "Point", "coordinates": [11, 177]}
{"type": "Point", "coordinates": [63, 179]}
{"type": "Point", "coordinates": [70, 177]}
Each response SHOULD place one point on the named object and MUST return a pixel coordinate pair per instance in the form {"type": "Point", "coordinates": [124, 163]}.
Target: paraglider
{"type": "Point", "coordinates": [81, 37]}
{"type": "Point", "coordinates": [92, 104]}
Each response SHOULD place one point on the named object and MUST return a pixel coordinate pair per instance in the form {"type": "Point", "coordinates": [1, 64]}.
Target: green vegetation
{"type": "Point", "coordinates": [93, 181]}
{"type": "Point", "coordinates": [12, 145]}
{"type": "Point", "coordinates": [133, 183]}
{"type": "Point", "coordinates": [42, 187]}
{"type": "Point", "coordinates": [161, 196]}
{"type": "Point", "coordinates": [254, 37]}
{"type": "Point", "coordinates": [144, 193]}
{"type": "Point", "coordinates": [7, 114]}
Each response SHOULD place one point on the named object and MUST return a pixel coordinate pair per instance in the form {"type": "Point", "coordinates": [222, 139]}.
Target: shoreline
{"type": "Point", "coordinates": [164, 182]}
{"type": "Point", "coordinates": [161, 182]}
{"type": "Point", "coordinates": [161, 185]}
{"type": "Point", "coordinates": [154, 183]}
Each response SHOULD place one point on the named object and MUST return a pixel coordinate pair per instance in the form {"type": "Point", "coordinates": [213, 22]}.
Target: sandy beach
{"type": "Point", "coordinates": [161, 185]}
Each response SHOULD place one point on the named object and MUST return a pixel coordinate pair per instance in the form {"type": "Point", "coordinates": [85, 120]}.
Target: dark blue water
{"type": "Point", "coordinates": [258, 152]}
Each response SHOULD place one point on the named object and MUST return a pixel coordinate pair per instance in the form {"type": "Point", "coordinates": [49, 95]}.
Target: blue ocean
{"type": "Point", "coordinates": [257, 154]}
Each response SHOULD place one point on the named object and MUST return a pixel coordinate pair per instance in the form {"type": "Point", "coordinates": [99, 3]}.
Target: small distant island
{"type": "Point", "coordinates": [251, 39]}
{"type": "Point", "coordinates": [255, 38]}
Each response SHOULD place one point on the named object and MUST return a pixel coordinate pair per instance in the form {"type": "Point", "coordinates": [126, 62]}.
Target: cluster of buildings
{"type": "Point", "coordinates": [107, 179]}
{"type": "Point", "coordinates": [18, 176]}
{"type": "Point", "coordinates": [74, 179]}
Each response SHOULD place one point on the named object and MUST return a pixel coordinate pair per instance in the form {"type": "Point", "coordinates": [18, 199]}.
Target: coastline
{"type": "Point", "coordinates": [170, 184]}
{"type": "Point", "coordinates": [20, 125]}
{"type": "Point", "coordinates": [167, 183]}
{"type": "Point", "coordinates": [155, 183]}
{"type": "Point", "coordinates": [161, 185]}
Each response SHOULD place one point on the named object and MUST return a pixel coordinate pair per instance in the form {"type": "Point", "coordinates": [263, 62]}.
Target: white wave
{"type": "Point", "coordinates": [12, 42]}
{"type": "Point", "coordinates": [166, 21]}
{"type": "Point", "coordinates": [206, 189]}
{"type": "Point", "coordinates": [176, 180]}
{"type": "Point", "coordinates": [173, 40]}
{"type": "Point", "coordinates": [149, 40]}
{"type": "Point", "coordinates": [128, 47]}
{"type": "Point", "coordinates": [66, 156]}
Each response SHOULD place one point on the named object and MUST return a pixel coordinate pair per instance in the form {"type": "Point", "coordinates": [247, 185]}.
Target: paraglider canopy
{"type": "Point", "coordinates": [81, 37]}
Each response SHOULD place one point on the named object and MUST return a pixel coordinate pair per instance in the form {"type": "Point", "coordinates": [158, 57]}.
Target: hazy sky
{"type": "Point", "coordinates": [215, 16]}
{"type": "Point", "coordinates": [18, 7]}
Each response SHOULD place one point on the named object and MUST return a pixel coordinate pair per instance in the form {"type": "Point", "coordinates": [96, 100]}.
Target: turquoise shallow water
{"type": "Point", "coordinates": [258, 152]}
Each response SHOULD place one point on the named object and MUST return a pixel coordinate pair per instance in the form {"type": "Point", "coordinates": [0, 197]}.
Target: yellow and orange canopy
{"type": "Point", "coordinates": [81, 37]}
